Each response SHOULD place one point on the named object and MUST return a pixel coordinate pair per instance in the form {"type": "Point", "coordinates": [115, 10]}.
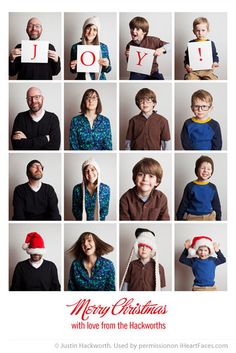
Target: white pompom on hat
{"type": "Point", "coordinates": [200, 241]}
{"type": "Point", "coordinates": [92, 162]}
{"type": "Point", "coordinates": [34, 244]}
{"type": "Point", "coordinates": [94, 20]}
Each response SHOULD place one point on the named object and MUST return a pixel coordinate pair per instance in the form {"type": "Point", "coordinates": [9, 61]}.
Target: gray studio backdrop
{"type": "Point", "coordinates": [18, 103]}
{"type": "Point", "coordinates": [183, 274]}
{"type": "Point", "coordinates": [73, 176]}
{"type": "Point", "coordinates": [52, 173]}
{"type": "Point", "coordinates": [163, 241]}
{"type": "Point", "coordinates": [159, 26]}
{"type": "Point", "coordinates": [184, 173]}
{"type": "Point", "coordinates": [51, 234]}
{"type": "Point", "coordinates": [127, 162]}
{"type": "Point", "coordinates": [184, 33]}
{"type": "Point", "coordinates": [73, 24]}
{"type": "Point", "coordinates": [106, 232]}
{"type": "Point", "coordinates": [73, 93]}
{"type": "Point", "coordinates": [51, 24]}
{"type": "Point", "coordinates": [128, 108]}
{"type": "Point", "coordinates": [183, 93]}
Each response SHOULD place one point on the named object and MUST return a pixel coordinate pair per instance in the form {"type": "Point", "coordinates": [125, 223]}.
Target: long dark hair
{"type": "Point", "coordinates": [102, 247]}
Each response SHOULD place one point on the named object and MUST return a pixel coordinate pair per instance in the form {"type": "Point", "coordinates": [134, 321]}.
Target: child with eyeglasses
{"type": "Point", "coordinates": [201, 132]}
{"type": "Point", "coordinates": [147, 130]}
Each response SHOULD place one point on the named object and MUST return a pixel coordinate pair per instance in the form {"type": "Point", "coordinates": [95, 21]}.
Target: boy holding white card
{"type": "Point", "coordinates": [201, 30]}
{"type": "Point", "coordinates": [139, 28]}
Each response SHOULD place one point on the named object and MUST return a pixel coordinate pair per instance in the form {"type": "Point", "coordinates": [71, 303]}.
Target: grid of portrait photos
{"type": "Point", "coordinates": [117, 151]}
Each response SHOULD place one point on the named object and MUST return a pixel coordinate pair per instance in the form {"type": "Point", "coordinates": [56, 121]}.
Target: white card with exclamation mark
{"type": "Point", "coordinates": [200, 55]}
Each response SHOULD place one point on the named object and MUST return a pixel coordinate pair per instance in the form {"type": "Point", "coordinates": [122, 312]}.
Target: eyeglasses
{"type": "Point", "coordinates": [147, 100]}
{"type": "Point", "coordinates": [201, 107]}
{"type": "Point", "coordinates": [37, 26]}
{"type": "Point", "coordinates": [91, 98]}
{"type": "Point", "coordinates": [36, 98]}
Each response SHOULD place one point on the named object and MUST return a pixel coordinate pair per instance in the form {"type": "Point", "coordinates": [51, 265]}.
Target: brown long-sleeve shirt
{"type": "Point", "coordinates": [134, 209]}
{"type": "Point", "coordinates": [147, 134]}
{"type": "Point", "coordinates": [142, 277]}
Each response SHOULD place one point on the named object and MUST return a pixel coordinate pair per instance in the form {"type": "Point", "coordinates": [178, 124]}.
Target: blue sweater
{"type": "Point", "coordinates": [83, 137]}
{"type": "Point", "coordinates": [203, 270]}
{"type": "Point", "coordinates": [199, 198]}
{"type": "Point", "coordinates": [102, 276]}
{"type": "Point", "coordinates": [104, 54]}
{"type": "Point", "coordinates": [201, 135]}
{"type": "Point", "coordinates": [213, 48]}
{"type": "Point", "coordinates": [90, 202]}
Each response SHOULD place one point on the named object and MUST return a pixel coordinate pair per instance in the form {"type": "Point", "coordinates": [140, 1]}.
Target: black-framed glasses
{"type": "Point", "coordinates": [201, 107]}
{"type": "Point", "coordinates": [36, 98]}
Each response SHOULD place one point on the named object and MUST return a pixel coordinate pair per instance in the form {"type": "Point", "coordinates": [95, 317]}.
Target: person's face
{"type": "Point", "coordinates": [34, 99]}
{"type": "Point", "coordinates": [144, 252]}
{"type": "Point", "coordinates": [203, 252]}
{"type": "Point", "coordinates": [34, 29]}
{"type": "Point", "coordinates": [90, 174]}
{"type": "Point", "coordinates": [201, 31]}
{"type": "Point", "coordinates": [201, 109]}
{"type": "Point", "coordinates": [146, 105]}
{"type": "Point", "coordinates": [88, 246]}
{"type": "Point", "coordinates": [91, 101]}
{"type": "Point", "coordinates": [137, 35]}
{"type": "Point", "coordinates": [35, 171]}
{"type": "Point", "coordinates": [90, 33]}
{"type": "Point", "coordinates": [145, 183]}
{"type": "Point", "coordinates": [35, 257]}
{"type": "Point", "coordinates": [204, 171]}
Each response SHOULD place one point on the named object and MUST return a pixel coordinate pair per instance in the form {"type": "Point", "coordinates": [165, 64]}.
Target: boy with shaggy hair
{"type": "Point", "coordinates": [139, 28]}
{"type": "Point", "coordinates": [200, 201]}
{"type": "Point", "coordinates": [147, 130]}
{"type": "Point", "coordinates": [201, 29]}
{"type": "Point", "coordinates": [205, 256]}
{"type": "Point", "coordinates": [144, 202]}
{"type": "Point", "coordinates": [201, 132]}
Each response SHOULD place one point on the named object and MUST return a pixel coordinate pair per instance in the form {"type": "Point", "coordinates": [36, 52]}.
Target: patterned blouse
{"type": "Point", "coordinates": [83, 137]}
{"type": "Point", "coordinates": [90, 202]}
{"type": "Point", "coordinates": [102, 276]}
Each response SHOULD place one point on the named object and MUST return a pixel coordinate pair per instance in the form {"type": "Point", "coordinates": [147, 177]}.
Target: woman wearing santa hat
{"type": "Point", "coordinates": [90, 200]}
{"type": "Point", "coordinates": [90, 36]}
{"type": "Point", "coordinates": [204, 257]}
{"type": "Point", "coordinates": [90, 271]}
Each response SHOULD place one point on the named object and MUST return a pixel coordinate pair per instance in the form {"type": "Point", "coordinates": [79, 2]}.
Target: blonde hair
{"type": "Point", "coordinates": [202, 95]}
{"type": "Point", "coordinates": [200, 20]}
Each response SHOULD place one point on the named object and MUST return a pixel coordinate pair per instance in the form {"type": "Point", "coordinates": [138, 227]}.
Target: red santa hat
{"type": "Point", "coordinates": [34, 244]}
{"type": "Point", "coordinates": [201, 241]}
